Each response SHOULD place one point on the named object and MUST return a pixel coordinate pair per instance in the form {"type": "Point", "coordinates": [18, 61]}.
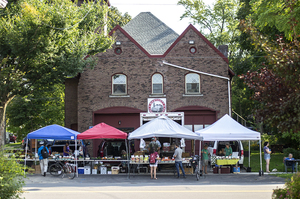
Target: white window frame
{"type": "Point", "coordinates": [162, 83]}
{"type": "Point", "coordinates": [186, 89]}
{"type": "Point", "coordinates": [112, 84]}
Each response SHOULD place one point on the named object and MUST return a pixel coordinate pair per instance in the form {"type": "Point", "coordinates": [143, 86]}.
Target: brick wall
{"type": "Point", "coordinates": [94, 86]}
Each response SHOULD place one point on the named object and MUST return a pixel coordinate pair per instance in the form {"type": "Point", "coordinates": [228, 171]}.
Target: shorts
{"type": "Point", "coordinates": [155, 164]}
{"type": "Point", "coordinates": [204, 162]}
{"type": "Point", "coordinates": [267, 156]}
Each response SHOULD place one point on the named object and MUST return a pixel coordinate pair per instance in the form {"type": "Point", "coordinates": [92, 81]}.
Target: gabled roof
{"type": "Point", "coordinates": [151, 33]}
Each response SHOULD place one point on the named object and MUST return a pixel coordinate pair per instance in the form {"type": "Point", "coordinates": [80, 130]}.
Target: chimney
{"type": "Point", "coordinates": [224, 50]}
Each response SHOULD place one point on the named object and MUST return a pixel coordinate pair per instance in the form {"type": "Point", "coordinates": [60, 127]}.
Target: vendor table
{"type": "Point", "coordinates": [227, 161]}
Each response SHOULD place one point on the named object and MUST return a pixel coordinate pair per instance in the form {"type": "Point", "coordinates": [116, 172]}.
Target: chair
{"type": "Point", "coordinates": [289, 164]}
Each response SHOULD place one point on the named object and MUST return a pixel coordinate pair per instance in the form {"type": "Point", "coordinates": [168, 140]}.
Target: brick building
{"type": "Point", "coordinates": [143, 65]}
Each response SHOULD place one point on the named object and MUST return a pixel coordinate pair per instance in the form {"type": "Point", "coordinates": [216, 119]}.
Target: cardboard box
{"type": "Point", "coordinates": [187, 170]}
{"type": "Point", "coordinates": [87, 170]}
{"type": "Point", "coordinates": [37, 169]}
{"type": "Point", "coordinates": [94, 171]}
{"type": "Point", "coordinates": [139, 153]}
{"type": "Point", "coordinates": [225, 170]}
{"type": "Point", "coordinates": [185, 155]}
{"type": "Point", "coordinates": [103, 170]}
{"type": "Point", "coordinates": [115, 170]}
{"type": "Point", "coordinates": [109, 172]}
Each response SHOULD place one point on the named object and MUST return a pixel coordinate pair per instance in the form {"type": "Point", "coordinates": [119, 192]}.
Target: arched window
{"type": "Point", "coordinates": [157, 84]}
{"type": "Point", "coordinates": [119, 84]}
{"type": "Point", "coordinates": [192, 83]}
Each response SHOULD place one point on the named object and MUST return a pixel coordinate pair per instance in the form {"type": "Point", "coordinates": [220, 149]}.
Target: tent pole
{"type": "Point", "coordinates": [249, 153]}
{"type": "Point", "coordinates": [76, 163]}
{"type": "Point", "coordinates": [127, 154]}
{"type": "Point", "coordinates": [35, 151]}
{"type": "Point", "coordinates": [261, 171]}
{"type": "Point", "coordinates": [25, 154]}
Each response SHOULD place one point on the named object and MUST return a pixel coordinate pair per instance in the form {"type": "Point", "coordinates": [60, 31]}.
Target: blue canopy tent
{"type": "Point", "coordinates": [55, 132]}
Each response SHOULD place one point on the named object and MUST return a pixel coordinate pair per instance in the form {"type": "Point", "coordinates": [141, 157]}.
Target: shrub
{"type": "Point", "coordinates": [296, 153]}
{"type": "Point", "coordinates": [291, 189]}
{"type": "Point", "coordinates": [11, 177]}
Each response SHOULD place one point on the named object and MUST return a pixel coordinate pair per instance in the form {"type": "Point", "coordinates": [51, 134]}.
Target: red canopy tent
{"type": "Point", "coordinates": [100, 131]}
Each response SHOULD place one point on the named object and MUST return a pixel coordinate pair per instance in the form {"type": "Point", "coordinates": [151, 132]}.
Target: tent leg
{"type": "Point", "coordinates": [25, 155]}
{"type": "Point", "coordinates": [76, 163]}
{"type": "Point", "coordinates": [128, 164]}
{"type": "Point", "coordinates": [261, 171]}
{"type": "Point", "coordinates": [249, 154]}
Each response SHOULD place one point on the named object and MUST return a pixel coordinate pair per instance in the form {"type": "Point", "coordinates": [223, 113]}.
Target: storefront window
{"type": "Point", "coordinates": [119, 86]}
{"type": "Point", "coordinates": [192, 82]}
{"type": "Point", "coordinates": [157, 84]}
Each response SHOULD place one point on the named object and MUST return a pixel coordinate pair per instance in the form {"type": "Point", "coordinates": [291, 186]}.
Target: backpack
{"type": "Point", "coordinates": [153, 157]}
{"type": "Point", "coordinates": [44, 153]}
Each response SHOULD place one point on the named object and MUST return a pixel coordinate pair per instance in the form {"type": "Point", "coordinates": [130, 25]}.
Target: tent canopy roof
{"type": "Point", "coordinates": [54, 131]}
{"type": "Point", "coordinates": [102, 130]}
{"type": "Point", "coordinates": [226, 129]}
{"type": "Point", "coordinates": [163, 127]}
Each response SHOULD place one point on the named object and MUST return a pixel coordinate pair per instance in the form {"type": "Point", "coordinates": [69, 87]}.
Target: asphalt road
{"type": "Point", "coordinates": [141, 186]}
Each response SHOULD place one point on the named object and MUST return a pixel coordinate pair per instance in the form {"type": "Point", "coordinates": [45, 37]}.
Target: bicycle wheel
{"type": "Point", "coordinates": [198, 174]}
{"type": "Point", "coordinates": [55, 170]}
{"type": "Point", "coordinates": [69, 171]}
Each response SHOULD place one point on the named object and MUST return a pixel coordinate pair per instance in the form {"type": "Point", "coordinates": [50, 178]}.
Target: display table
{"type": "Point", "coordinates": [227, 161]}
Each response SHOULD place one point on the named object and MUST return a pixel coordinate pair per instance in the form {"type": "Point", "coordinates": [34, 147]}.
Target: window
{"type": "Point", "coordinates": [192, 83]}
{"type": "Point", "coordinates": [119, 86]}
{"type": "Point", "coordinates": [157, 84]}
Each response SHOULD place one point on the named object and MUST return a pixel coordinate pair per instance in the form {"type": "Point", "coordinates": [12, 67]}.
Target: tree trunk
{"type": "Point", "coordinates": [3, 106]}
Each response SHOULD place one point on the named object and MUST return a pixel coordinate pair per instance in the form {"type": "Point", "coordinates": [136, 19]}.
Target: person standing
{"type": "Point", "coordinates": [153, 150]}
{"type": "Point", "coordinates": [228, 150]}
{"type": "Point", "coordinates": [43, 157]}
{"type": "Point", "coordinates": [66, 149]}
{"type": "Point", "coordinates": [267, 155]}
{"type": "Point", "coordinates": [178, 160]}
{"type": "Point", "coordinates": [205, 154]}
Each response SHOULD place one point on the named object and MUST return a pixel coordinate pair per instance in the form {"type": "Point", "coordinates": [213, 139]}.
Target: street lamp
{"type": "Point", "coordinates": [3, 3]}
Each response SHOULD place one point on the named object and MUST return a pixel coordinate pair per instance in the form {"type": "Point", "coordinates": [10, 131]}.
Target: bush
{"type": "Point", "coordinates": [291, 189]}
{"type": "Point", "coordinates": [11, 177]}
{"type": "Point", "coordinates": [296, 153]}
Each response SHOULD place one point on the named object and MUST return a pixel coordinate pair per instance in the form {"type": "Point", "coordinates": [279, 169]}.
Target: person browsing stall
{"type": "Point", "coordinates": [153, 150]}
{"type": "Point", "coordinates": [228, 150]}
{"type": "Point", "coordinates": [43, 157]}
{"type": "Point", "coordinates": [205, 154]}
{"type": "Point", "coordinates": [66, 149]}
{"type": "Point", "coordinates": [178, 160]}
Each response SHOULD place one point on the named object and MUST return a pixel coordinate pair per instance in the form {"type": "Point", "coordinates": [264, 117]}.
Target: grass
{"type": "Point", "coordinates": [14, 145]}
{"type": "Point", "coordinates": [276, 162]}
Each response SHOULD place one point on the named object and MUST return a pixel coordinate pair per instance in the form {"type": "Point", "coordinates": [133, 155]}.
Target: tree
{"type": "Point", "coordinates": [115, 17]}
{"type": "Point", "coordinates": [217, 24]}
{"type": "Point", "coordinates": [42, 42]}
{"type": "Point", "coordinates": [36, 110]}
{"type": "Point", "coordinates": [276, 85]}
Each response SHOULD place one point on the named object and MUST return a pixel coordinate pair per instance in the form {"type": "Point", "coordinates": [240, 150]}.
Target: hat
{"type": "Point", "coordinates": [153, 139]}
{"type": "Point", "coordinates": [41, 142]}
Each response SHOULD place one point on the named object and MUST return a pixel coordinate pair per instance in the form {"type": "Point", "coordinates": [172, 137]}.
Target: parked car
{"type": "Point", "coordinates": [111, 148]}
{"type": "Point", "coordinates": [12, 138]}
{"type": "Point", "coordinates": [236, 146]}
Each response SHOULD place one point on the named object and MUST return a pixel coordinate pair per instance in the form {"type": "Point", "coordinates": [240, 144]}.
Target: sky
{"type": "Point", "coordinates": [166, 10]}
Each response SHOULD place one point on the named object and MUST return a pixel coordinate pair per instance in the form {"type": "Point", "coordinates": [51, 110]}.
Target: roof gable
{"type": "Point", "coordinates": [151, 33]}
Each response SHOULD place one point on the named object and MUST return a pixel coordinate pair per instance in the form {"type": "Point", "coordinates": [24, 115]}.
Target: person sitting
{"type": "Point", "coordinates": [67, 150]}
{"type": "Point", "coordinates": [287, 162]}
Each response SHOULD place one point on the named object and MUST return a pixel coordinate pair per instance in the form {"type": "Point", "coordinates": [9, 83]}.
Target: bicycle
{"type": "Point", "coordinates": [59, 168]}
{"type": "Point", "coordinates": [195, 162]}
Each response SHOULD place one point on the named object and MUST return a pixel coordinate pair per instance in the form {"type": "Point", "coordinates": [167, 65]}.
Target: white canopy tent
{"type": "Point", "coordinates": [227, 129]}
{"type": "Point", "coordinates": [163, 127]}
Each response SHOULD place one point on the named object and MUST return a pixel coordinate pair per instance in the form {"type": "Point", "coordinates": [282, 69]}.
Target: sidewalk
{"type": "Point", "coordinates": [144, 179]}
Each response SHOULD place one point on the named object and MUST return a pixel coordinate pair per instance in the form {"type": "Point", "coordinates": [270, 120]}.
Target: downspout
{"type": "Point", "coordinates": [208, 74]}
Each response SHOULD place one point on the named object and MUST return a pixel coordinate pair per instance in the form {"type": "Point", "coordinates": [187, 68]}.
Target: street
{"type": "Point", "coordinates": [140, 186]}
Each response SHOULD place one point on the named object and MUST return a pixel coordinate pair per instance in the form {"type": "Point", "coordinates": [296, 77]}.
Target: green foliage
{"type": "Point", "coordinates": [43, 42]}
{"type": "Point", "coordinates": [39, 109]}
{"type": "Point", "coordinates": [115, 17]}
{"type": "Point", "coordinates": [218, 24]}
{"type": "Point", "coordinates": [291, 189]}
{"type": "Point", "coordinates": [11, 177]}
{"type": "Point", "coordinates": [295, 152]}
